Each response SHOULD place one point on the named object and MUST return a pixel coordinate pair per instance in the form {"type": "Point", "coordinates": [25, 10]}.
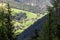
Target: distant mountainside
{"type": "Point", "coordinates": [35, 6]}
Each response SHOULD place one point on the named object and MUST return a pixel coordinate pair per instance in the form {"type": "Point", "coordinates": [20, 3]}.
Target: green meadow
{"type": "Point", "coordinates": [24, 23]}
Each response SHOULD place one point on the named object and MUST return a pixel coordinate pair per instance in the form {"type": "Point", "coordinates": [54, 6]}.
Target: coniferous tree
{"type": "Point", "coordinates": [58, 31]}
{"type": "Point", "coordinates": [6, 29]}
{"type": "Point", "coordinates": [53, 21]}
{"type": "Point", "coordinates": [9, 24]}
{"type": "Point", "coordinates": [3, 35]}
{"type": "Point", "coordinates": [49, 23]}
{"type": "Point", "coordinates": [57, 8]}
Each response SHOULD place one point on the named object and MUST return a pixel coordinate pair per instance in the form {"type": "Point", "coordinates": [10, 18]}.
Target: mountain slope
{"type": "Point", "coordinates": [35, 6]}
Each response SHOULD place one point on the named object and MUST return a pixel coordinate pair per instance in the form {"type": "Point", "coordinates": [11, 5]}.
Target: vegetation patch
{"type": "Point", "coordinates": [23, 23]}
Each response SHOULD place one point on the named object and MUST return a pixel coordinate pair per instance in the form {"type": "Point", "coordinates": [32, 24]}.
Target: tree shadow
{"type": "Point", "coordinates": [39, 24]}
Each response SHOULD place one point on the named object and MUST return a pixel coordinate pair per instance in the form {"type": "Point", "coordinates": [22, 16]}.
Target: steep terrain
{"type": "Point", "coordinates": [35, 6]}
{"type": "Point", "coordinates": [21, 8]}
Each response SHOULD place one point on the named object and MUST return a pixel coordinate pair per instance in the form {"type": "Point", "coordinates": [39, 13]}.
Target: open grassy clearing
{"type": "Point", "coordinates": [27, 23]}
{"type": "Point", "coordinates": [29, 14]}
{"type": "Point", "coordinates": [24, 23]}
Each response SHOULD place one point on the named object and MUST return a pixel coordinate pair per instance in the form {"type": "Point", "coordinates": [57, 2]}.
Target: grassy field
{"type": "Point", "coordinates": [26, 24]}
{"type": "Point", "coordinates": [29, 14]}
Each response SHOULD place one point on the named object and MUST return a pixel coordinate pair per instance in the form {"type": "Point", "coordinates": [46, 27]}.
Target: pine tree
{"type": "Point", "coordinates": [6, 29]}
{"type": "Point", "coordinates": [53, 21]}
{"type": "Point", "coordinates": [56, 7]}
{"type": "Point", "coordinates": [50, 23]}
{"type": "Point", "coordinates": [3, 35]}
{"type": "Point", "coordinates": [9, 24]}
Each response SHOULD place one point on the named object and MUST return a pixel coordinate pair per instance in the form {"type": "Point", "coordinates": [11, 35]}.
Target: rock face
{"type": "Point", "coordinates": [40, 5]}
